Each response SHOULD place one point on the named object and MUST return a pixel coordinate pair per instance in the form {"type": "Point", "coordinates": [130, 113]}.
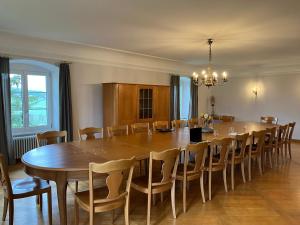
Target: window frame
{"type": "Point", "coordinates": [24, 72]}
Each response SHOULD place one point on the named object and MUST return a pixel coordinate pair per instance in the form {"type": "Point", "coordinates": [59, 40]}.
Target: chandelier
{"type": "Point", "coordinates": [209, 76]}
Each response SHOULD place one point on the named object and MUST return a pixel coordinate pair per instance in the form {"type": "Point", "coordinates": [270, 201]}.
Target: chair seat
{"type": "Point", "coordinates": [83, 199]}
{"type": "Point", "coordinates": [29, 186]}
{"type": "Point", "coordinates": [141, 184]}
{"type": "Point", "coordinates": [237, 159]}
{"type": "Point", "coordinates": [191, 175]}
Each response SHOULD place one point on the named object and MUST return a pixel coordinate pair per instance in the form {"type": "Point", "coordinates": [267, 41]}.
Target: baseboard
{"type": "Point", "coordinates": [296, 140]}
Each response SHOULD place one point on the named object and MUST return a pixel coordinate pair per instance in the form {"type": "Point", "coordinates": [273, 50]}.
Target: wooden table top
{"type": "Point", "coordinates": [75, 156]}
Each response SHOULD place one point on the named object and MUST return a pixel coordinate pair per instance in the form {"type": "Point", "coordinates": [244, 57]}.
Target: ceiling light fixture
{"type": "Point", "coordinates": [209, 76]}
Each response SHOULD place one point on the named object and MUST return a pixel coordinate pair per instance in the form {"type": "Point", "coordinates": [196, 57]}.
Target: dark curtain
{"type": "Point", "coordinates": [175, 98]}
{"type": "Point", "coordinates": [5, 112]}
{"type": "Point", "coordinates": [65, 102]}
{"type": "Point", "coordinates": [194, 100]}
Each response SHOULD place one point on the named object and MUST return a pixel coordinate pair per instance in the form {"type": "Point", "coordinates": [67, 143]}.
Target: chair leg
{"type": "Point", "coordinates": [290, 150]}
{"type": "Point", "coordinates": [76, 213]}
{"type": "Point", "coordinates": [282, 157]}
{"type": "Point", "coordinates": [162, 197]}
{"type": "Point", "coordinates": [270, 159]}
{"type": "Point", "coordinates": [232, 176]}
{"type": "Point", "coordinates": [225, 179]}
{"type": "Point", "coordinates": [49, 198]}
{"type": "Point", "coordinates": [249, 168]}
{"type": "Point", "coordinates": [202, 187]}
{"type": "Point", "coordinates": [112, 216]}
{"type": "Point", "coordinates": [92, 216]}
{"type": "Point", "coordinates": [285, 152]}
{"type": "Point", "coordinates": [153, 199]}
{"type": "Point", "coordinates": [259, 165]}
{"type": "Point", "coordinates": [149, 208]}
{"type": "Point", "coordinates": [243, 171]}
{"type": "Point", "coordinates": [76, 186]}
{"type": "Point", "coordinates": [126, 211]}
{"type": "Point", "coordinates": [173, 200]}
{"type": "Point", "coordinates": [11, 212]}
{"type": "Point", "coordinates": [5, 206]}
{"type": "Point", "coordinates": [184, 195]}
{"type": "Point", "coordinates": [209, 185]}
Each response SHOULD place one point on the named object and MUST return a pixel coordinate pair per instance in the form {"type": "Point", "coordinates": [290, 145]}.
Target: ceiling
{"type": "Point", "coordinates": [259, 34]}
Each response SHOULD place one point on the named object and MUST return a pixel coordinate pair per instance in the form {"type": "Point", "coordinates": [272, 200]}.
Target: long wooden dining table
{"type": "Point", "coordinates": [70, 161]}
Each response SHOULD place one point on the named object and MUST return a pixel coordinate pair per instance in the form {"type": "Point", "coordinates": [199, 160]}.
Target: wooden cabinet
{"type": "Point", "coordinates": [130, 103]}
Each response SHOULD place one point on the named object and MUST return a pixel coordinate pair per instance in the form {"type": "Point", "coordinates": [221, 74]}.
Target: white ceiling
{"type": "Point", "coordinates": [256, 33]}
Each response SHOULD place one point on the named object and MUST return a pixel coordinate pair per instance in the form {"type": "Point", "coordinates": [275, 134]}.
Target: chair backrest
{"type": "Point", "coordinates": [270, 136]}
{"type": "Point", "coordinates": [282, 133]}
{"type": "Point", "coordinates": [169, 159]}
{"type": "Point", "coordinates": [115, 171]}
{"type": "Point", "coordinates": [241, 144]}
{"type": "Point", "coordinates": [194, 122]}
{"type": "Point", "coordinates": [178, 124]}
{"type": "Point", "coordinates": [258, 140]}
{"type": "Point", "coordinates": [269, 119]}
{"type": "Point", "coordinates": [51, 137]}
{"type": "Point", "coordinates": [225, 118]}
{"type": "Point", "coordinates": [117, 131]}
{"type": "Point", "coordinates": [222, 146]}
{"type": "Point", "coordinates": [160, 125]}
{"type": "Point", "coordinates": [199, 151]}
{"type": "Point", "coordinates": [90, 132]}
{"type": "Point", "coordinates": [291, 130]}
{"type": "Point", "coordinates": [5, 180]}
{"type": "Point", "coordinates": [140, 128]}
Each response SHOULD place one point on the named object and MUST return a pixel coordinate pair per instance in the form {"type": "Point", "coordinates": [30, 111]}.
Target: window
{"type": "Point", "coordinates": [185, 96]}
{"type": "Point", "coordinates": [30, 103]}
{"type": "Point", "coordinates": [145, 103]}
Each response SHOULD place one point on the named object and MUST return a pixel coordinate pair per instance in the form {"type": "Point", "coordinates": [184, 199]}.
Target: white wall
{"type": "Point", "coordinates": [277, 95]}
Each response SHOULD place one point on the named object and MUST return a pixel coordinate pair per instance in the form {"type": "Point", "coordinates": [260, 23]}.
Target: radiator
{"type": "Point", "coordinates": [23, 144]}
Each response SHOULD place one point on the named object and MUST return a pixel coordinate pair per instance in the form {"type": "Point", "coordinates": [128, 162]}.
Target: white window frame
{"type": "Point", "coordinates": [24, 72]}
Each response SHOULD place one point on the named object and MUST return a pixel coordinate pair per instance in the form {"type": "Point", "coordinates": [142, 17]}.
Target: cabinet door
{"type": "Point", "coordinates": [127, 104]}
{"type": "Point", "coordinates": [162, 103]}
{"type": "Point", "coordinates": [145, 103]}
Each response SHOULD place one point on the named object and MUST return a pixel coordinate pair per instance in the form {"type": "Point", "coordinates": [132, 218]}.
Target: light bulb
{"type": "Point", "coordinates": [203, 72]}
{"type": "Point", "coordinates": [215, 74]}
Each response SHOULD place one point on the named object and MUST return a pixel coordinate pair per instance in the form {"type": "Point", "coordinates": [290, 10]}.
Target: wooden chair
{"type": "Point", "coordinates": [178, 124]}
{"type": "Point", "coordinates": [117, 131]}
{"type": "Point", "coordinates": [225, 118]}
{"type": "Point", "coordinates": [90, 133]}
{"type": "Point", "coordinates": [22, 188]}
{"type": "Point", "coordinates": [281, 140]}
{"type": "Point", "coordinates": [51, 137]}
{"type": "Point", "coordinates": [140, 128]}
{"type": "Point", "coordinates": [107, 198]}
{"type": "Point", "coordinates": [194, 122]}
{"type": "Point", "coordinates": [289, 138]}
{"type": "Point", "coordinates": [255, 150]}
{"type": "Point", "coordinates": [237, 156]}
{"type": "Point", "coordinates": [222, 146]}
{"type": "Point", "coordinates": [189, 171]}
{"type": "Point", "coordinates": [160, 125]}
{"type": "Point", "coordinates": [269, 119]}
{"type": "Point", "coordinates": [270, 145]}
{"type": "Point", "coordinates": [161, 182]}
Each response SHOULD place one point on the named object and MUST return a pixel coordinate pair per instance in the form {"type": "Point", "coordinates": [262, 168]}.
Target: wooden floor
{"type": "Point", "coordinates": [273, 198]}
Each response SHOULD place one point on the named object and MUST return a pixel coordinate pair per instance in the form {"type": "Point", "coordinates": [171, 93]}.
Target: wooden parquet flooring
{"type": "Point", "coordinates": [271, 199]}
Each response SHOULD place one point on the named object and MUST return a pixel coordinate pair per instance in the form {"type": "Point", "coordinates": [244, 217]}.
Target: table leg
{"type": "Point", "coordinates": [61, 185]}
